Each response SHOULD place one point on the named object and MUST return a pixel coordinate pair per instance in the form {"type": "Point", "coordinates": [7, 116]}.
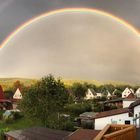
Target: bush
{"type": "Point", "coordinates": [77, 109]}
{"type": "Point", "coordinates": [1, 114]}
{"type": "Point", "coordinates": [2, 135]}
{"type": "Point", "coordinates": [17, 115]}
{"type": "Point", "coordinates": [68, 125]}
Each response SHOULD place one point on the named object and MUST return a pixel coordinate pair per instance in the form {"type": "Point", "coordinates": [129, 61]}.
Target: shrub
{"type": "Point", "coordinates": [77, 109]}
{"type": "Point", "coordinates": [68, 125]}
{"type": "Point", "coordinates": [2, 131]}
{"type": "Point", "coordinates": [17, 115]}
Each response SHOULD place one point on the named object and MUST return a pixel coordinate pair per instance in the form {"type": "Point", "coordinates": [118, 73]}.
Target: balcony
{"type": "Point", "coordinates": [117, 132]}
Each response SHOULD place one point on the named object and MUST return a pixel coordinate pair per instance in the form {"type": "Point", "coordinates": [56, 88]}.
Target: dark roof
{"type": "Point", "coordinates": [114, 100]}
{"type": "Point", "coordinates": [130, 99]}
{"type": "Point", "coordinates": [112, 112]}
{"type": "Point", "coordinates": [2, 96]}
{"type": "Point", "coordinates": [83, 134]}
{"type": "Point", "coordinates": [38, 133]}
{"type": "Point", "coordinates": [136, 103]}
{"type": "Point", "coordinates": [87, 115]}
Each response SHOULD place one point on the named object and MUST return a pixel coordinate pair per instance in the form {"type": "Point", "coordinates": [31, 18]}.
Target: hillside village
{"type": "Point", "coordinates": [103, 108]}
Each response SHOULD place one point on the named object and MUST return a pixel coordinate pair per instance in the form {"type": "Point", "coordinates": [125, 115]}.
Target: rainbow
{"type": "Point", "coordinates": [121, 21]}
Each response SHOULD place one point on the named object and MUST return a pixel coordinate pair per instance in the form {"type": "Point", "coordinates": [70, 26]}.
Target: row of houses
{"type": "Point", "coordinates": [91, 94]}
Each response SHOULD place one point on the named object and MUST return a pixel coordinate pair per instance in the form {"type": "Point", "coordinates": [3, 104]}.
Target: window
{"type": "Point", "coordinates": [127, 122]}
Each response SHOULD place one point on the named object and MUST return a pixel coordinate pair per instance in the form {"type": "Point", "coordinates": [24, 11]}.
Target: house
{"type": "Point", "coordinates": [116, 116]}
{"type": "Point", "coordinates": [127, 92]}
{"type": "Point", "coordinates": [129, 115]}
{"type": "Point", "coordinates": [17, 95]}
{"type": "Point", "coordinates": [137, 93]}
{"type": "Point", "coordinates": [36, 133]}
{"type": "Point", "coordinates": [135, 109]}
{"type": "Point", "coordinates": [4, 103]}
{"type": "Point", "coordinates": [90, 94]}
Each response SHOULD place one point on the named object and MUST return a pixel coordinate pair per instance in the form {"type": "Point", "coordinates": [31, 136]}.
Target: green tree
{"type": "Point", "coordinates": [45, 98]}
{"type": "Point", "coordinates": [8, 94]}
{"type": "Point", "coordinates": [79, 90]}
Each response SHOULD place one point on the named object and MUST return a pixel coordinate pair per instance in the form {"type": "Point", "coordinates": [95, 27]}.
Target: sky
{"type": "Point", "coordinates": [106, 51]}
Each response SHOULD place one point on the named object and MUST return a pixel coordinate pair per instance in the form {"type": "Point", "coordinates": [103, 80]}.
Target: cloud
{"type": "Point", "coordinates": [74, 45]}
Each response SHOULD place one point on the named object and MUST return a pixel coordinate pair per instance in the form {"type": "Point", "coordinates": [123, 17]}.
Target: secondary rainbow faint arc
{"type": "Point", "coordinates": [123, 22]}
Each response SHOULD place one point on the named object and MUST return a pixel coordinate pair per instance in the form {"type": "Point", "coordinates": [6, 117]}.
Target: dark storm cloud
{"type": "Point", "coordinates": [15, 12]}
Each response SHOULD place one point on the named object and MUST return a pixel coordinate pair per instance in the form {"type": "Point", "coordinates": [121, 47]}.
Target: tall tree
{"type": "Point", "coordinates": [45, 98]}
{"type": "Point", "coordinates": [79, 90]}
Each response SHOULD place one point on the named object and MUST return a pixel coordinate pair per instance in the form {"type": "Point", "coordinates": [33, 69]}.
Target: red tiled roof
{"type": "Point", "coordinates": [83, 134]}
{"type": "Point", "coordinates": [112, 112]}
{"type": "Point", "coordinates": [2, 96]}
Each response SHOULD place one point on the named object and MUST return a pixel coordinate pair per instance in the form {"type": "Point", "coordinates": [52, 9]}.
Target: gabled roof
{"type": "Point", "coordinates": [83, 134]}
{"type": "Point", "coordinates": [17, 94]}
{"type": "Point", "coordinates": [2, 96]}
{"type": "Point", "coordinates": [111, 112]}
{"type": "Point", "coordinates": [138, 90]}
{"type": "Point", "coordinates": [92, 90]}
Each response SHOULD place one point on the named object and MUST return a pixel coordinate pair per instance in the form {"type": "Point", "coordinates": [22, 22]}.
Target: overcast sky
{"type": "Point", "coordinates": [99, 49]}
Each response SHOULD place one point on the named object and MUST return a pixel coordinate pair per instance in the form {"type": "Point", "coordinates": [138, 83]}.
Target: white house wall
{"type": "Point", "coordinates": [137, 111]}
{"type": "Point", "coordinates": [127, 103]}
{"type": "Point", "coordinates": [100, 123]}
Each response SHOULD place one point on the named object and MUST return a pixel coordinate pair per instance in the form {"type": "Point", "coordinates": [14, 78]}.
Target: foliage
{"type": "Point", "coordinates": [9, 94]}
{"type": "Point", "coordinates": [77, 109]}
{"type": "Point", "coordinates": [1, 114]}
{"type": "Point", "coordinates": [98, 107]}
{"type": "Point", "coordinates": [79, 90]}
{"type": "Point", "coordinates": [2, 131]}
{"type": "Point", "coordinates": [7, 83]}
{"type": "Point", "coordinates": [68, 125]}
{"type": "Point", "coordinates": [20, 124]}
{"type": "Point", "coordinates": [44, 98]}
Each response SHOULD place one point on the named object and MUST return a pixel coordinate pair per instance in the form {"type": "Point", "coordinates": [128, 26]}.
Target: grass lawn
{"type": "Point", "coordinates": [19, 124]}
